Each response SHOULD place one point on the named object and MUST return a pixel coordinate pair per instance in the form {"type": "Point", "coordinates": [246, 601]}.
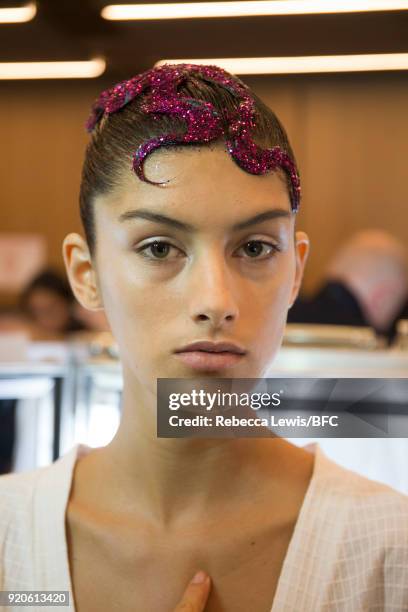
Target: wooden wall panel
{"type": "Point", "coordinates": [42, 143]}
{"type": "Point", "coordinates": [350, 135]}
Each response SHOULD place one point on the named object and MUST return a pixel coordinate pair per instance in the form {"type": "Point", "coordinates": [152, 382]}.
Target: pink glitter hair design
{"type": "Point", "coordinates": [203, 122]}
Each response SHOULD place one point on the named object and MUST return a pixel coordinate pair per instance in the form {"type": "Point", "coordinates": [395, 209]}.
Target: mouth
{"type": "Point", "coordinates": [205, 360]}
{"type": "Point", "coordinates": [212, 347]}
{"type": "Point", "coordinates": [207, 355]}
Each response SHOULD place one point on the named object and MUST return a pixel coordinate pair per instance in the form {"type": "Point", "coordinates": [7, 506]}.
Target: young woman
{"type": "Point", "coordinates": [188, 198]}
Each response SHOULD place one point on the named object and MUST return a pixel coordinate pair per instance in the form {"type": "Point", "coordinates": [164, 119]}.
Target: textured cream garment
{"type": "Point", "coordinates": [348, 552]}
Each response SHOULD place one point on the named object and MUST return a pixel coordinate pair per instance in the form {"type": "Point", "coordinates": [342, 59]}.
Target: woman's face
{"type": "Point", "coordinates": [213, 274]}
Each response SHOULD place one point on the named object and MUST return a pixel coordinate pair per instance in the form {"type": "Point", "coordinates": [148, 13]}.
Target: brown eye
{"type": "Point", "coordinates": [158, 249]}
{"type": "Point", "coordinates": [258, 249]}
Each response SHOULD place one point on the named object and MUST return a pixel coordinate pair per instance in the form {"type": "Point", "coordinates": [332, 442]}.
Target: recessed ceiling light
{"type": "Point", "coordinates": [18, 14]}
{"type": "Point", "coordinates": [246, 8]}
{"type": "Point", "coordinates": [53, 70]}
{"type": "Point", "coordinates": [303, 64]}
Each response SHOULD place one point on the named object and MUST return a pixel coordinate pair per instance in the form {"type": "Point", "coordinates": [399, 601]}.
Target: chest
{"type": "Point", "coordinates": [127, 567]}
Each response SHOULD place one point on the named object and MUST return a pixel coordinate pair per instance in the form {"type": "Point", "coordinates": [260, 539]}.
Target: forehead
{"type": "Point", "coordinates": [202, 185]}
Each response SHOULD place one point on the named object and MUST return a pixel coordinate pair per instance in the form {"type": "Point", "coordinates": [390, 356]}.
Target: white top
{"type": "Point", "coordinates": [348, 551]}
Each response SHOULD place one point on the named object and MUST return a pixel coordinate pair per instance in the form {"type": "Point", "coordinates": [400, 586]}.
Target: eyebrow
{"type": "Point", "coordinates": [148, 215]}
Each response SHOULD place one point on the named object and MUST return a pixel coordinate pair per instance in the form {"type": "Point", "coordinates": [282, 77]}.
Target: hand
{"type": "Point", "coordinates": [196, 594]}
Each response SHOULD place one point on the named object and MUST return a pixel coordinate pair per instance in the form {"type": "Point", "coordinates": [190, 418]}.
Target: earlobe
{"type": "Point", "coordinates": [81, 272]}
{"type": "Point", "coordinates": [302, 247]}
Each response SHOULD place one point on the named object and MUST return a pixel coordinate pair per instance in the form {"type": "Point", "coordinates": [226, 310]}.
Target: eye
{"type": "Point", "coordinates": [258, 249]}
{"type": "Point", "coordinates": [159, 249]}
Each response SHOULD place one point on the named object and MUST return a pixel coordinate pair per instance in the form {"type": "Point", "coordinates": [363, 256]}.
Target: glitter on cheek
{"type": "Point", "coordinates": [203, 123]}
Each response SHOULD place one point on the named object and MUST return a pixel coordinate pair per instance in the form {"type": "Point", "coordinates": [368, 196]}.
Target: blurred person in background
{"type": "Point", "coordinates": [45, 312]}
{"type": "Point", "coordinates": [48, 310]}
{"type": "Point", "coordinates": [49, 304]}
{"type": "Point", "coordinates": [403, 314]}
{"type": "Point", "coordinates": [366, 284]}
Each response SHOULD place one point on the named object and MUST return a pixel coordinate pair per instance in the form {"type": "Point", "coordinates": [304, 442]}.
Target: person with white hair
{"type": "Point", "coordinates": [365, 283]}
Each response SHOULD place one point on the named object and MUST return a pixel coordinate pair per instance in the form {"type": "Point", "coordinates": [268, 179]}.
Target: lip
{"type": "Point", "coordinates": [207, 355]}
{"type": "Point", "coordinates": [212, 347]}
{"type": "Point", "coordinates": [201, 360]}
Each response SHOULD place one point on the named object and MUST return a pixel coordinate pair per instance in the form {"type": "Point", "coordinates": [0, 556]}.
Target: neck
{"type": "Point", "coordinates": [175, 479]}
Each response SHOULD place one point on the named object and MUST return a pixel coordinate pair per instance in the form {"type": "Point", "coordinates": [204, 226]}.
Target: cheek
{"type": "Point", "coordinates": [275, 292]}
{"type": "Point", "coordinates": [272, 320]}
{"type": "Point", "coordinates": [137, 308]}
{"type": "Point", "coordinates": [272, 307]}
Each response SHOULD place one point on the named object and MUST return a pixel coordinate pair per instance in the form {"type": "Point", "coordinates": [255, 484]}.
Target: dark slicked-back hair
{"type": "Point", "coordinates": [117, 136]}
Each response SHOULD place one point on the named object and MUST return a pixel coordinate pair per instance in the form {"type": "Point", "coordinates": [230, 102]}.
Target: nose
{"type": "Point", "coordinates": [213, 295]}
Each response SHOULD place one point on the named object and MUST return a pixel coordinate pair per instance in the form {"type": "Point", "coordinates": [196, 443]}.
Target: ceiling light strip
{"type": "Point", "coordinates": [53, 70]}
{"type": "Point", "coordinates": [18, 14]}
{"type": "Point", "coordinates": [246, 8]}
{"type": "Point", "coordinates": [303, 64]}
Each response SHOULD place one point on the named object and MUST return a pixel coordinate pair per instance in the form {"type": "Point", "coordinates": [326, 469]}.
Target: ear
{"type": "Point", "coordinates": [302, 246]}
{"type": "Point", "coordinates": [81, 272]}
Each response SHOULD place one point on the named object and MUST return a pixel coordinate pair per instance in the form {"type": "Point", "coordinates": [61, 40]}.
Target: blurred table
{"type": "Point", "coordinates": [39, 389]}
{"type": "Point", "coordinates": [339, 363]}
{"type": "Point", "coordinates": [82, 402]}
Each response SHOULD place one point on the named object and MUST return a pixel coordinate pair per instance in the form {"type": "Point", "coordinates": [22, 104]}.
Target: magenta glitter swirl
{"type": "Point", "coordinates": [203, 123]}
